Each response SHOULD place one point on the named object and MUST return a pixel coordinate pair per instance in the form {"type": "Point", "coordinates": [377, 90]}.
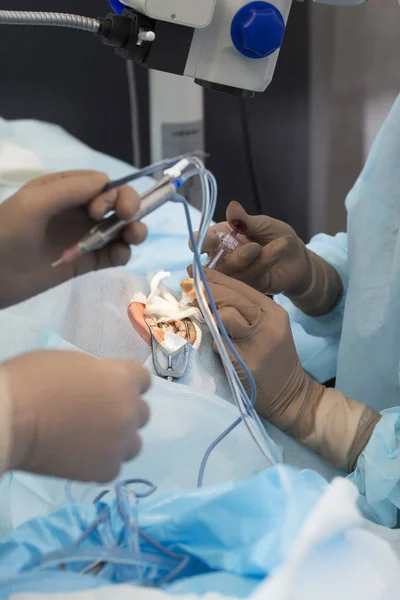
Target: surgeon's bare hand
{"type": "Point", "coordinates": [50, 214]}
{"type": "Point", "coordinates": [271, 257]}
{"type": "Point", "coordinates": [74, 416]}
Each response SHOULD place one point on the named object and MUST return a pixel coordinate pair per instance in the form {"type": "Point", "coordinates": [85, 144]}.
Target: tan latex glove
{"type": "Point", "coordinates": [274, 260]}
{"type": "Point", "coordinates": [324, 420]}
{"type": "Point", "coordinates": [50, 214]}
{"type": "Point", "coordinates": [71, 415]}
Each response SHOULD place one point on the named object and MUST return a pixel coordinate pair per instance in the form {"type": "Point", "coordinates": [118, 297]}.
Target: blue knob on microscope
{"type": "Point", "coordinates": [257, 29]}
{"type": "Point", "coordinates": [117, 6]}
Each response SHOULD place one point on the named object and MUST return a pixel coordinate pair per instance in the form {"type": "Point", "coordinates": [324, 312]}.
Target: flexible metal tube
{"type": "Point", "coordinates": [50, 19]}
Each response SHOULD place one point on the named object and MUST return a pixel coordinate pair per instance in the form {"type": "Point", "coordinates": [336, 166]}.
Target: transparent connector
{"type": "Point", "coordinates": [228, 243]}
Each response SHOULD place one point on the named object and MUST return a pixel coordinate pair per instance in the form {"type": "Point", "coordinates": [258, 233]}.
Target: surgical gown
{"type": "Point", "coordinates": [359, 342]}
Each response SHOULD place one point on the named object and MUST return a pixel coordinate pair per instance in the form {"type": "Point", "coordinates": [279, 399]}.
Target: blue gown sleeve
{"type": "Point", "coordinates": [377, 474]}
{"type": "Point", "coordinates": [317, 338]}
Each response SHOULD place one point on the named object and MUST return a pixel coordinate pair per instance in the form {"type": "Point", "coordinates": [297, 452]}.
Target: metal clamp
{"type": "Point", "coordinates": [170, 372]}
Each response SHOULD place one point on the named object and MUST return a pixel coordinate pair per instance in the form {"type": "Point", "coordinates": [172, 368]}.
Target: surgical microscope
{"type": "Point", "coordinates": [225, 45]}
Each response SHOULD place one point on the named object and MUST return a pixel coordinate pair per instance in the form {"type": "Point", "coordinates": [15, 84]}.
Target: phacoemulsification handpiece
{"type": "Point", "coordinates": [111, 227]}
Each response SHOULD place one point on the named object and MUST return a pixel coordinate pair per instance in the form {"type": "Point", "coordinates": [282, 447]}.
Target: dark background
{"type": "Point", "coordinates": [70, 78]}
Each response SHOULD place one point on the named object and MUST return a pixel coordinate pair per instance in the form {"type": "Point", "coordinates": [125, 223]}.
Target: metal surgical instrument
{"type": "Point", "coordinates": [170, 372]}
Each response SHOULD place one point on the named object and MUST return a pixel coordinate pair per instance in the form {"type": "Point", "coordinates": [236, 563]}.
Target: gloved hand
{"type": "Point", "coordinates": [323, 419]}
{"type": "Point", "coordinates": [71, 415]}
{"type": "Point", "coordinates": [47, 216]}
{"type": "Point", "coordinates": [273, 260]}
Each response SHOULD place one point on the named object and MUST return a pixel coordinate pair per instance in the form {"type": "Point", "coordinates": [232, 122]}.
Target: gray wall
{"type": "Point", "coordinates": [355, 77]}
